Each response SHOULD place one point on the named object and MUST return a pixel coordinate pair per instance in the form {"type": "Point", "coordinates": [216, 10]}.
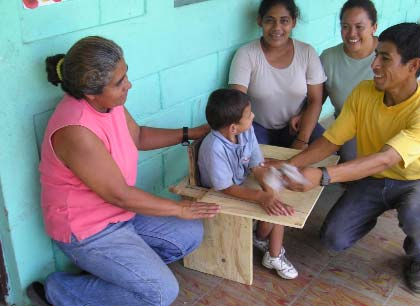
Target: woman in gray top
{"type": "Point", "coordinates": [348, 63]}
{"type": "Point", "coordinates": [280, 74]}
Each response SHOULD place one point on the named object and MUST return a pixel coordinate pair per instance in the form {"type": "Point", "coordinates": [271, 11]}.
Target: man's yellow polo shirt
{"type": "Point", "coordinates": [374, 124]}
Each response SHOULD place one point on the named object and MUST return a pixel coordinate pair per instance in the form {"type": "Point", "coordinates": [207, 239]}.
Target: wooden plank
{"type": "Point", "coordinates": [302, 202]}
{"type": "Point", "coordinates": [226, 250]}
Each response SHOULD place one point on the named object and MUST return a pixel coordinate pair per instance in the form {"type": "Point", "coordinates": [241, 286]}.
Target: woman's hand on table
{"type": "Point", "coordinates": [197, 210]}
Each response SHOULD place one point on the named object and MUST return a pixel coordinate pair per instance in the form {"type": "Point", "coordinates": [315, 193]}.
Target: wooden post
{"type": "Point", "coordinates": [226, 250]}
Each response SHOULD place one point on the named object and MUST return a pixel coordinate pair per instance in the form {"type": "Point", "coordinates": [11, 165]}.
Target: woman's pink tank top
{"type": "Point", "coordinates": [68, 205]}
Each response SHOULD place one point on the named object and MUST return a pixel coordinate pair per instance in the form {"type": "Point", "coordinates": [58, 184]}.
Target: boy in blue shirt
{"type": "Point", "coordinates": [227, 155]}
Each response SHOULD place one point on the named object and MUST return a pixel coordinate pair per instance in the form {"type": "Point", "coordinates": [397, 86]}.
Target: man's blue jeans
{"type": "Point", "coordinates": [356, 212]}
{"type": "Point", "coordinates": [126, 263]}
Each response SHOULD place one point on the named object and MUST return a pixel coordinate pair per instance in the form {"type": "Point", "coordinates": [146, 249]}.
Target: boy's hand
{"type": "Point", "coordinates": [273, 206]}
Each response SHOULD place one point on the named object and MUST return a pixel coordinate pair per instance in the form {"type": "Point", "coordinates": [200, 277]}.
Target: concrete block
{"type": "Point", "coordinates": [144, 97]}
{"type": "Point", "coordinates": [40, 124]}
{"type": "Point", "coordinates": [149, 175]}
{"type": "Point", "coordinates": [30, 242]}
{"type": "Point", "coordinates": [224, 59]}
{"type": "Point", "coordinates": [113, 10]}
{"type": "Point", "coordinates": [312, 10]}
{"type": "Point", "coordinates": [199, 110]}
{"type": "Point", "coordinates": [175, 165]}
{"type": "Point", "coordinates": [188, 80]}
{"type": "Point", "coordinates": [171, 118]}
{"type": "Point", "coordinates": [165, 193]}
{"type": "Point", "coordinates": [413, 15]}
{"type": "Point", "coordinates": [389, 8]}
{"type": "Point", "coordinates": [304, 30]}
{"type": "Point", "coordinates": [58, 19]}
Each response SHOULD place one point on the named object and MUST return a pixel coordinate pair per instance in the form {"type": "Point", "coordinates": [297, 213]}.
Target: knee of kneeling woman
{"type": "Point", "coordinates": [170, 291]}
{"type": "Point", "coordinates": [196, 236]}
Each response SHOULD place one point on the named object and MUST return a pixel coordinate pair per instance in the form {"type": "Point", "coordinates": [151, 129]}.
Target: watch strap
{"type": "Point", "coordinates": [185, 141]}
{"type": "Point", "coordinates": [325, 177]}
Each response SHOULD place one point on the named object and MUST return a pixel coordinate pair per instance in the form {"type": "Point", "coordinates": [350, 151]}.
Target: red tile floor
{"type": "Point", "coordinates": [370, 273]}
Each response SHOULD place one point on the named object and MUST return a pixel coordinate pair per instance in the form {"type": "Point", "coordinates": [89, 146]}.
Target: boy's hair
{"type": "Point", "coordinates": [406, 37]}
{"type": "Point", "coordinates": [225, 107]}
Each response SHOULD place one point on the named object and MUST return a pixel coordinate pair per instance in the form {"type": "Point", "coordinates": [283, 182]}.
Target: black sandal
{"type": "Point", "coordinates": [36, 294]}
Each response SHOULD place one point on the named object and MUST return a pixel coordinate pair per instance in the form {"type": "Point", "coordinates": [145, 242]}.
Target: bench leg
{"type": "Point", "coordinates": [226, 250]}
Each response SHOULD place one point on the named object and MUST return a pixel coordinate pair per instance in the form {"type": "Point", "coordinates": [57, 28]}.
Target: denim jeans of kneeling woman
{"type": "Point", "coordinates": [126, 263]}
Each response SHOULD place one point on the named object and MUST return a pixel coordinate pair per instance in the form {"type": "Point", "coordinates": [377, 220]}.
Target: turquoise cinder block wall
{"type": "Point", "coordinates": [177, 56]}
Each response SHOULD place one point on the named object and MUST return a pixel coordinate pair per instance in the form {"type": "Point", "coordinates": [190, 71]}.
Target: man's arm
{"type": "Point", "coordinates": [352, 170]}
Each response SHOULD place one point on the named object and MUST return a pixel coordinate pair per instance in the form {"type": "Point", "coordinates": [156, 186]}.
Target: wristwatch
{"type": "Point", "coordinates": [325, 178]}
{"type": "Point", "coordinates": [185, 141]}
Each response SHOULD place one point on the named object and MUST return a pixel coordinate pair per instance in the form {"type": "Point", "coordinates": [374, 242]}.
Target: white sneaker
{"type": "Point", "coordinates": [261, 245]}
{"type": "Point", "coordinates": [283, 266]}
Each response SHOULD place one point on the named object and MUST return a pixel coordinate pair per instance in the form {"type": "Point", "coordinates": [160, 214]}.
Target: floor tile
{"type": "Point", "coordinates": [193, 284]}
{"type": "Point", "coordinates": [403, 297]}
{"type": "Point", "coordinates": [231, 293]}
{"type": "Point", "coordinates": [371, 278]}
{"type": "Point", "coordinates": [322, 293]}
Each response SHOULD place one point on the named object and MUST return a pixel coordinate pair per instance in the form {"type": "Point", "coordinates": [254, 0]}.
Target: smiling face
{"type": "Point", "coordinates": [277, 25]}
{"type": "Point", "coordinates": [115, 92]}
{"type": "Point", "coordinates": [390, 74]}
{"type": "Point", "coordinates": [357, 32]}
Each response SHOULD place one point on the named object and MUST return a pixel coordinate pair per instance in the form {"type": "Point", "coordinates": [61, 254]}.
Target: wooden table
{"type": "Point", "coordinates": [226, 250]}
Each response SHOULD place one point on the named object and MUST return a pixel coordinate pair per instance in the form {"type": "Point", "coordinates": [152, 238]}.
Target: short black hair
{"type": "Point", "coordinates": [366, 5]}
{"type": "Point", "coordinates": [406, 37]}
{"type": "Point", "coordinates": [225, 107]}
{"type": "Point", "coordinates": [290, 5]}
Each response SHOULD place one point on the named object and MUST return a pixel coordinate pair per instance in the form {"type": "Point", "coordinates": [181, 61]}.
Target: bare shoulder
{"type": "Point", "coordinates": [75, 140]}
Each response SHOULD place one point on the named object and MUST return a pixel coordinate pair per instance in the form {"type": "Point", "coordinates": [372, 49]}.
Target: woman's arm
{"type": "Point", "coordinates": [86, 156]}
{"type": "Point", "coordinates": [310, 116]}
{"type": "Point", "coordinates": [148, 138]}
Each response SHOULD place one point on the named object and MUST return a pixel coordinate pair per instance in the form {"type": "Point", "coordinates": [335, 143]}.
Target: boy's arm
{"type": "Point", "coordinates": [268, 201]}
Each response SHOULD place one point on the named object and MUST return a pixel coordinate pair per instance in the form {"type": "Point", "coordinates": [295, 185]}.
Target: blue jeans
{"type": "Point", "coordinates": [282, 137]}
{"type": "Point", "coordinates": [126, 263]}
{"type": "Point", "coordinates": [356, 212]}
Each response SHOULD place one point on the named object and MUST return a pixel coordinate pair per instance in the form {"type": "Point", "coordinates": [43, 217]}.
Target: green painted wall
{"type": "Point", "coordinates": [177, 56]}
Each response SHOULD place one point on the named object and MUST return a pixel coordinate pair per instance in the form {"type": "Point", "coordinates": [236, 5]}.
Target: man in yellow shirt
{"type": "Point", "coordinates": [384, 115]}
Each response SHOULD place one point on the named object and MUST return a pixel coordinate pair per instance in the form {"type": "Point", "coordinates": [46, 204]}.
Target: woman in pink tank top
{"type": "Point", "coordinates": [122, 236]}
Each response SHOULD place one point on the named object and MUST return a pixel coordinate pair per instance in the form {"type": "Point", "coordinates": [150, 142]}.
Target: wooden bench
{"type": "Point", "coordinates": [227, 248]}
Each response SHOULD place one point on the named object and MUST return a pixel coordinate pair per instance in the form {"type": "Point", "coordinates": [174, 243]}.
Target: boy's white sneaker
{"type": "Point", "coordinates": [261, 245]}
{"type": "Point", "coordinates": [283, 266]}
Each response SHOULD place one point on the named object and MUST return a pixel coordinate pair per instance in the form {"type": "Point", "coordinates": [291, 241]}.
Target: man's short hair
{"type": "Point", "coordinates": [406, 37]}
{"type": "Point", "coordinates": [225, 107]}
